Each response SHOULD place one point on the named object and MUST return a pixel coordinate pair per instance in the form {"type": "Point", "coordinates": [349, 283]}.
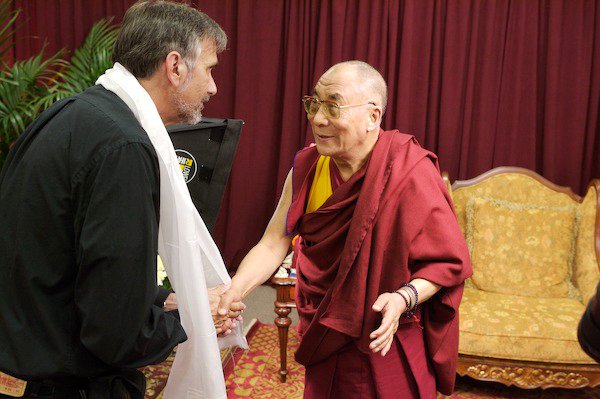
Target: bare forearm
{"type": "Point", "coordinates": [272, 248]}
{"type": "Point", "coordinates": [426, 289]}
{"type": "Point", "coordinates": [258, 265]}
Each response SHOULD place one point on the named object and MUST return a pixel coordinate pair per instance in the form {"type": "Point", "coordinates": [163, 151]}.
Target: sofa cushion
{"type": "Point", "coordinates": [520, 328]}
{"type": "Point", "coordinates": [522, 249]}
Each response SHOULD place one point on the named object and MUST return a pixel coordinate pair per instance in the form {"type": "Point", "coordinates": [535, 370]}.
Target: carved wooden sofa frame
{"type": "Point", "coordinates": [527, 374]}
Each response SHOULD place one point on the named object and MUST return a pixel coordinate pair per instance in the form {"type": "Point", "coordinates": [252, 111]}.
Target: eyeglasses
{"type": "Point", "coordinates": [331, 110]}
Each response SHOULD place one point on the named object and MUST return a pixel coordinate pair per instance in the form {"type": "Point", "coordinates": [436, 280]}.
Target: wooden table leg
{"type": "Point", "coordinates": [283, 323]}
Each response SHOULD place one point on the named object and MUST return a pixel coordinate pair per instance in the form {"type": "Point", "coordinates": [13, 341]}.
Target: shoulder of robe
{"type": "Point", "coordinates": [308, 151]}
{"type": "Point", "coordinates": [406, 152]}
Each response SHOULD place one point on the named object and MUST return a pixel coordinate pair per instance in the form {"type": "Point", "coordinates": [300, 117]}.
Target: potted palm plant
{"type": "Point", "coordinates": [29, 86]}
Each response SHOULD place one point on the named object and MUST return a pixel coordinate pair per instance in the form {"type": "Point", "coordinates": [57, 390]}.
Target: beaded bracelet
{"type": "Point", "coordinates": [408, 313]}
{"type": "Point", "coordinates": [411, 296]}
{"type": "Point", "coordinates": [414, 291]}
{"type": "Point", "coordinates": [408, 303]}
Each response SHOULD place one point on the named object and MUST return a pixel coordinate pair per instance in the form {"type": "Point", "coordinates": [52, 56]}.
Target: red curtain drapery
{"type": "Point", "coordinates": [481, 83]}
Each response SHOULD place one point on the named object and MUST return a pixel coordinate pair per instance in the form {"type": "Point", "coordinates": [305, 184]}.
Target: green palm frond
{"type": "Point", "coordinates": [8, 16]}
{"type": "Point", "coordinates": [27, 87]}
{"type": "Point", "coordinates": [87, 63]}
{"type": "Point", "coordinates": [22, 87]}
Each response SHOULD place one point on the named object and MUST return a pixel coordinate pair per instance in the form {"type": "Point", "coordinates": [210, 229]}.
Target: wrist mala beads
{"type": "Point", "coordinates": [409, 293]}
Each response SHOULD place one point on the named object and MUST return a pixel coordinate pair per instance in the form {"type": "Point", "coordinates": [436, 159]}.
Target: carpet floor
{"type": "Point", "coordinates": [253, 373]}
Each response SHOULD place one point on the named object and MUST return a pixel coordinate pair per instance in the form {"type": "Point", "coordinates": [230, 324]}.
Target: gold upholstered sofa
{"type": "Point", "coordinates": [535, 249]}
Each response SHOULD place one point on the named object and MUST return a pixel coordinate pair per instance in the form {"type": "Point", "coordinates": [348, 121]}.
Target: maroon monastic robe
{"type": "Point", "coordinates": [391, 222]}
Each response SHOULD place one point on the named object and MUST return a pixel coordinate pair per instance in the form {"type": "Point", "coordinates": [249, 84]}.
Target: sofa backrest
{"type": "Point", "coordinates": [528, 236]}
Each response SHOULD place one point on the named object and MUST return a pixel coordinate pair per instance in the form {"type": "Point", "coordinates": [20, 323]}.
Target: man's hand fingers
{"type": "Point", "coordinates": [237, 306]}
{"type": "Point", "coordinates": [388, 345]}
{"type": "Point", "coordinates": [386, 322]}
{"type": "Point", "coordinates": [377, 333]}
{"type": "Point", "coordinates": [223, 333]}
{"type": "Point", "coordinates": [384, 340]}
{"type": "Point", "coordinates": [236, 309]}
{"type": "Point", "coordinates": [225, 303]}
{"type": "Point", "coordinates": [220, 289]}
{"type": "Point", "coordinates": [222, 324]}
{"type": "Point", "coordinates": [380, 303]}
{"type": "Point", "coordinates": [377, 344]}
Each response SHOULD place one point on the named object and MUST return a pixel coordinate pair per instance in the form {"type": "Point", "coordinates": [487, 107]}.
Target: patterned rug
{"type": "Point", "coordinates": [157, 375]}
{"type": "Point", "coordinates": [253, 374]}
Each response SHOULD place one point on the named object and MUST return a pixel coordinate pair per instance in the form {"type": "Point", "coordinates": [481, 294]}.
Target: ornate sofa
{"type": "Point", "coordinates": [535, 249]}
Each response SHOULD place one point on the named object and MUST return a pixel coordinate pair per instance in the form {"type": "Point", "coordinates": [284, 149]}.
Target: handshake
{"type": "Point", "coordinates": [226, 307]}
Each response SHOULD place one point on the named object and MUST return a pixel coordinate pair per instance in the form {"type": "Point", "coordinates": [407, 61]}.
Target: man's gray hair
{"type": "Point", "coordinates": [152, 29]}
{"type": "Point", "coordinates": [369, 76]}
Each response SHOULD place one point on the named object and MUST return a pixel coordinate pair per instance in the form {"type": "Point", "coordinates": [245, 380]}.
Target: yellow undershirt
{"type": "Point", "coordinates": [321, 186]}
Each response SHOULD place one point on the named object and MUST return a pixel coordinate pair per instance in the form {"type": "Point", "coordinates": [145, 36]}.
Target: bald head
{"type": "Point", "coordinates": [371, 80]}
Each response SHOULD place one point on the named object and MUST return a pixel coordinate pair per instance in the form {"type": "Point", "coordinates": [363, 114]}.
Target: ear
{"type": "Point", "coordinates": [375, 118]}
{"type": "Point", "coordinates": [175, 69]}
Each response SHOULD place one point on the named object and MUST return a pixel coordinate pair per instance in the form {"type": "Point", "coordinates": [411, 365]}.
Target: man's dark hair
{"type": "Point", "coordinates": [152, 29]}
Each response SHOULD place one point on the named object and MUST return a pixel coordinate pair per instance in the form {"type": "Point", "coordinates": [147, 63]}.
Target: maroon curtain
{"type": "Point", "coordinates": [60, 24]}
{"type": "Point", "coordinates": [481, 83]}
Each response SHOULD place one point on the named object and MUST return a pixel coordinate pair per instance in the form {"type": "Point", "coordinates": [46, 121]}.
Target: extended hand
{"type": "Point", "coordinates": [230, 302]}
{"type": "Point", "coordinates": [226, 321]}
{"type": "Point", "coordinates": [391, 306]}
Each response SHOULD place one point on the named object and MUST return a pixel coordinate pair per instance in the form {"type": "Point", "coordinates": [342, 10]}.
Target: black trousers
{"type": "Point", "coordinates": [126, 384]}
{"type": "Point", "coordinates": [56, 395]}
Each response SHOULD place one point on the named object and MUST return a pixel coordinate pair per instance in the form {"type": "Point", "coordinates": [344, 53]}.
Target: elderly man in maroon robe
{"type": "Point", "coordinates": [380, 258]}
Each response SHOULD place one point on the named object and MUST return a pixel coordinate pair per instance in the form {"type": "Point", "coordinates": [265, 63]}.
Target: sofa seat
{"type": "Point", "coordinates": [520, 328]}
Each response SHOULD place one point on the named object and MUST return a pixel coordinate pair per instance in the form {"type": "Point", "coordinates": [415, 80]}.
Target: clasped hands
{"type": "Point", "coordinates": [226, 309]}
{"type": "Point", "coordinates": [225, 321]}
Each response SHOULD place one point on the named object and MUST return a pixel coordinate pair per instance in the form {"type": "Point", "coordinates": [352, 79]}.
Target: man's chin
{"type": "Point", "coordinates": [323, 149]}
{"type": "Point", "coordinates": [192, 120]}
{"type": "Point", "coordinates": [189, 115]}
{"type": "Point", "coordinates": [195, 120]}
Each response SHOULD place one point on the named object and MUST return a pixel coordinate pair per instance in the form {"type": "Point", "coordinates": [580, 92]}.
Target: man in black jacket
{"type": "Point", "coordinates": [79, 212]}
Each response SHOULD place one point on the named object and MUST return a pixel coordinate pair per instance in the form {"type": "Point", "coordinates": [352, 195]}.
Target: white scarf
{"type": "Point", "coordinates": [190, 256]}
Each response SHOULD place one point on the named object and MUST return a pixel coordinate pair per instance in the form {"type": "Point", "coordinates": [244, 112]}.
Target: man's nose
{"type": "Point", "coordinates": [212, 87]}
{"type": "Point", "coordinates": [319, 118]}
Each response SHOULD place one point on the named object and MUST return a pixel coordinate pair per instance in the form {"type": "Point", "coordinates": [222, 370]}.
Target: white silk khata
{"type": "Point", "coordinates": [190, 256]}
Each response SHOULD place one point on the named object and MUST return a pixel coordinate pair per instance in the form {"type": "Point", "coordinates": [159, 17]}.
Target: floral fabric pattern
{"type": "Point", "coordinates": [522, 249]}
{"type": "Point", "coordinates": [504, 322]}
{"type": "Point", "coordinates": [520, 328]}
{"type": "Point", "coordinates": [519, 188]}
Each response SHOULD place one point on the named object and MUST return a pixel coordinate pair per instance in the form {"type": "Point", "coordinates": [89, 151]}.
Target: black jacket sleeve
{"type": "Point", "coordinates": [117, 227]}
{"type": "Point", "coordinates": [161, 297]}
